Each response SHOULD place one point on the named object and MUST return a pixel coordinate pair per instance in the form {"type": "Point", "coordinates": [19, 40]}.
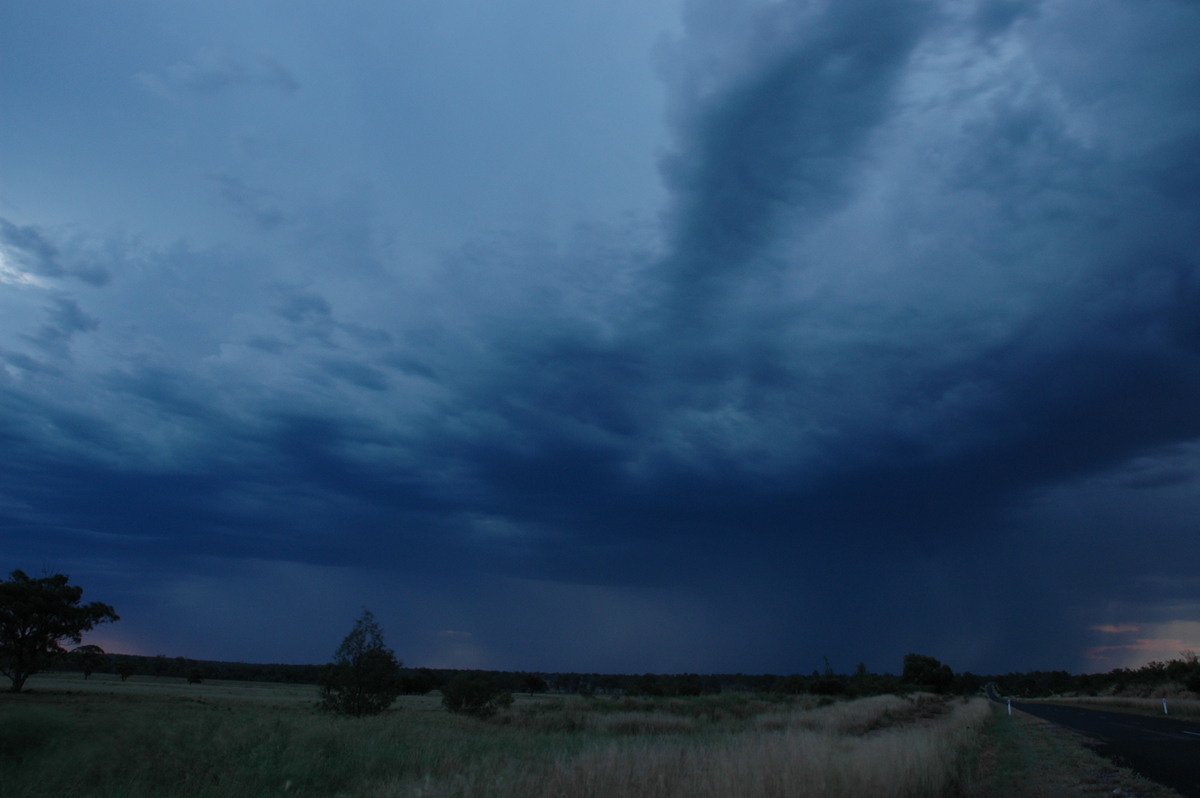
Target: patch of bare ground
{"type": "Point", "coordinates": [1026, 756]}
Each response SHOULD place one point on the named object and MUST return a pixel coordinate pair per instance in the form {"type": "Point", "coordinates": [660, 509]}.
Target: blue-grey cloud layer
{"type": "Point", "coordinates": [907, 359]}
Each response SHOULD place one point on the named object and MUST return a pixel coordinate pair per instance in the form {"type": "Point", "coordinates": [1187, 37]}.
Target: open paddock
{"type": "Point", "coordinates": [154, 736]}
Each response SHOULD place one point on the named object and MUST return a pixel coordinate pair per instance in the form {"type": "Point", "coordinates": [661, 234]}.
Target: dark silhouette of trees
{"type": "Point", "coordinates": [927, 672]}
{"type": "Point", "coordinates": [364, 677]}
{"type": "Point", "coordinates": [475, 693]}
{"type": "Point", "coordinates": [418, 682]}
{"type": "Point", "coordinates": [126, 668]}
{"type": "Point", "coordinates": [648, 684]}
{"type": "Point", "coordinates": [688, 684]}
{"type": "Point", "coordinates": [36, 616]}
{"type": "Point", "coordinates": [531, 683]}
{"type": "Point", "coordinates": [89, 658]}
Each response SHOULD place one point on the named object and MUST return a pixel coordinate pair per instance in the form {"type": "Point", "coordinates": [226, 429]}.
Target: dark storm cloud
{"type": "Point", "coordinates": [788, 137]}
{"type": "Point", "coordinates": [242, 489]}
{"type": "Point", "coordinates": [32, 251]}
{"type": "Point", "coordinates": [996, 16]}
{"type": "Point", "coordinates": [726, 430]}
{"type": "Point", "coordinates": [911, 363]}
{"type": "Point", "coordinates": [67, 320]}
{"type": "Point", "coordinates": [1099, 372]}
{"type": "Point", "coordinates": [359, 374]}
{"type": "Point", "coordinates": [27, 363]}
{"type": "Point", "coordinates": [171, 392]}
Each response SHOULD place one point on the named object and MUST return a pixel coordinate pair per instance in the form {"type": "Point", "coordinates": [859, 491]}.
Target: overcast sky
{"type": "Point", "coordinates": [643, 335]}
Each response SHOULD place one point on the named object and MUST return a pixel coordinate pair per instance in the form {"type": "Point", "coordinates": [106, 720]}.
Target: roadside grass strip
{"type": "Point", "coordinates": [1026, 756]}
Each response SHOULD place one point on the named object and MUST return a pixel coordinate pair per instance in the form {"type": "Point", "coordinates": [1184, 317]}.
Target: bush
{"type": "Point", "coordinates": [418, 682]}
{"type": "Point", "coordinates": [478, 694]}
{"type": "Point", "coordinates": [927, 673]}
{"type": "Point", "coordinates": [1193, 682]}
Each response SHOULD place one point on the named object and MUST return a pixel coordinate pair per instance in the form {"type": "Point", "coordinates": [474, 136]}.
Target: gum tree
{"type": "Point", "coordinates": [36, 617]}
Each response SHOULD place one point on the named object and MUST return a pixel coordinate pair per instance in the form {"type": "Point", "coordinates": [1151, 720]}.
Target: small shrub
{"type": "Point", "coordinates": [1193, 682]}
{"type": "Point", "coordinates": [478, 694]}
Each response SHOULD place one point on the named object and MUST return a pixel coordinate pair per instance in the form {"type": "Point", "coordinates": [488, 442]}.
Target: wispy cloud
{"type": "Point", "coordinates": [214, 70]}
{"type": "Point", "coordinates": [257, 205]}
{"type": "Point", "coordinates": [66, 321]}
{"type": "Point", "coordinates": [28, 257]}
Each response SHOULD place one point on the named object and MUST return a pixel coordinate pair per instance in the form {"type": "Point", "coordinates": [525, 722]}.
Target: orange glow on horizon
{"type": "Point", "coordinates": [113, 643]}
{"type": "Point", "coordinates": [1159, 641]}
{"type": "Point", "coordinates": [1115, 629]}
{"type": "Point", "coordinates": [1171, 646]}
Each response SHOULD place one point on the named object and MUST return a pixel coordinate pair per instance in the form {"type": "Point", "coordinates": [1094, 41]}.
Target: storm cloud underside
{"type": "Point", "coordinates": [900, 350]}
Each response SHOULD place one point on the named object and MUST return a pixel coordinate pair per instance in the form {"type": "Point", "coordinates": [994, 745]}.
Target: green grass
{"type": "Point", "coordinates": [164, 738]}
{"type": "Point", "coordinates": [1023, 755]}
{"type": "Point", "coordinates": [179, 741]}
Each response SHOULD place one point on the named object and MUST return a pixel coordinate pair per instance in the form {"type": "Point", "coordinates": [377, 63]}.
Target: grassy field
{"type": "Point", "coordinates": [162, 737]}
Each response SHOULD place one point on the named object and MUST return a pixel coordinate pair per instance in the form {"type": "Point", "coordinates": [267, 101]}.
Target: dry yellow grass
{"type": "Point", "coordinates": [856, 717]}
{"type": "Point", "coordinates": [904, 761]}
{"type": "Point", "coordinates": [921, 757]}
{"type": "Point", "coordinates": [170, 740]}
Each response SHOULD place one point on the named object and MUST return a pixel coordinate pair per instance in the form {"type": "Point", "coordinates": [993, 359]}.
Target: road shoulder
{"type": "Point", "coordinates": [1027, 756]}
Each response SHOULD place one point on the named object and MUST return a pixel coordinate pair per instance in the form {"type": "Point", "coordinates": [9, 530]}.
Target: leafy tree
{"type": "Point", "coordinates": [364, 677]}
{"type": "Point", "coordinates": [418, 682]}
{"type": "Point", "coordinates": [89, 658]}
{"type": "Point", "coordinates": [126, 668]}
{"type": "Point", "coordinates": [532, 683]}
{"type": "Point", "coordinates": [36, 615]}
{"type": "Point", "coordinates": [478, 694]}
{"type": "Point", "coordinates": [924, 671]}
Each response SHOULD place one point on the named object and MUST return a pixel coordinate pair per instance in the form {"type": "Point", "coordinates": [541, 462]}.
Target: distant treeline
{"type": "Point", "coordinates": [1153, 677]}
{"type": "Point", "coordinates": [920, 673]}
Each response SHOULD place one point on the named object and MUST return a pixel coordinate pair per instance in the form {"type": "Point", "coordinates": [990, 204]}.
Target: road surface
{"type": "Point", "coordinates": [1162, 749]}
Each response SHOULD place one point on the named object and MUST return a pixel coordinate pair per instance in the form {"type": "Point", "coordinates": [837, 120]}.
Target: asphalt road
{"type": "Point", "coordinates": [1161, 749]}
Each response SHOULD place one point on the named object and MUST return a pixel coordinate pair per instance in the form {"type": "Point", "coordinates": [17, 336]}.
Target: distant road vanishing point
{"type": "Point", "coordinates": [1164, 749]}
